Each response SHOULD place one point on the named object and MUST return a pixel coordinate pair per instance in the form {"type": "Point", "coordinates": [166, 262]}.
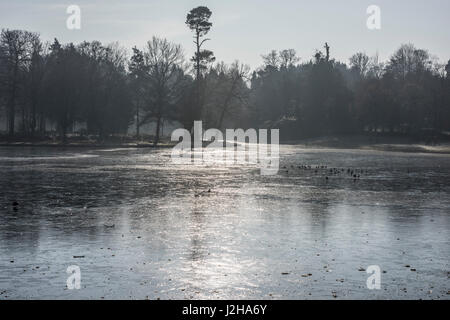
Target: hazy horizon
{"type": "Point", "coordinates": [243, 30]}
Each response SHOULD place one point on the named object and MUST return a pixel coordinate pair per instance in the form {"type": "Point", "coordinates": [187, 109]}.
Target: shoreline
{"type": "Point", "coordinates": [387, 144]}
{"type": "Point", "coordinates": [85, 145]}
{"type": "Point", "coordinates": [351, 142]}
{"type": "Point", "coordinates": [403, 148]}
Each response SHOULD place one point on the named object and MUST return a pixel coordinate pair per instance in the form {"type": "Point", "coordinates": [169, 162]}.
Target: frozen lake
{"type": "Point", "coordinates": [146, 228]}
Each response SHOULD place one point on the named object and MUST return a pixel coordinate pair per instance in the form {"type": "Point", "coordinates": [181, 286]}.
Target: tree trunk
{"type": "Point", "coordinates": [198, 75]}
{"type": "Point", "coordinates": [12, 109]}
{"type": "Point", "coordinates": [225, 103]}
{"type": "Point", "coordinates": [12, 99]}
{"type": "Point", "coordinates": [42, 123]}
{"type": "Point", "coordinates": [33, 118]}
{"type": "Point", "coordinates": [158, 125]}
{"type": "Point", "coordinates": [137, 122]}
{"type": "Point", "coordinates": [24, 121]}
{"type": "Point", "coordinates": [11, 118]}
{"type": "Point", "coordinates": [64, 133]}
{"type": "Point", "coordinates": [198, 55]}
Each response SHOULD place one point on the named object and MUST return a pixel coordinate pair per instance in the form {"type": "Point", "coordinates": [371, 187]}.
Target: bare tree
{"type": "Point", "coordinates": [288, 58]}
{"type": "Point", "coordinates": [360, 62]}
{"type": "Point", "coordinates": [164, 62]}
{"type": "Point", "coordinates": [271, 60]}
{"type": "Point", "coordinates": [236, 75]}
{"type": "Point", "coordinates": [17, 50]}
{"type": "Point", "coordinates": [407, 59]}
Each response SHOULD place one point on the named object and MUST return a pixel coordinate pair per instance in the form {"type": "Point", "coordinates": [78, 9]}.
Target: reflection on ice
{"type": "Point", "coordinates": [149, 228]}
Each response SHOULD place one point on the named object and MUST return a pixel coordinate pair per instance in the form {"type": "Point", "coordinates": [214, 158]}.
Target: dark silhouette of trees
{"type": "Point", "coordinates": [96, 90]}
{"type": "Point", "coordinates": [17, 48]}
{"type": "Point", "coordinates": [407, 95]}
{"type": "Point", "coordinates": [106, 106]}
{"type": "Point", "coordinates": [326, 100]}
{"type": "Point", "coordinates": [64, 97]}
{"type": "Point", "coordinates": [68, 84]}
{"type": "Point", "coordinates": [226, 93]}
{"type": "Point", "coordinates": [34, 90]}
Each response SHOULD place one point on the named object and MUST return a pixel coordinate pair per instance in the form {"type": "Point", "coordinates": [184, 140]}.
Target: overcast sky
{"type": "Point", "coordinates": [245, 29]}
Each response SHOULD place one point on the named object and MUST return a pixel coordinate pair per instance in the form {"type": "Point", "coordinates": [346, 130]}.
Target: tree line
{"type": "Point", "coordinates": [54, 85]}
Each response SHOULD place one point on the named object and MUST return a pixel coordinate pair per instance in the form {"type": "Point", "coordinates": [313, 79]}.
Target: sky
{"type": "Point", "coordinates": [245, 29]}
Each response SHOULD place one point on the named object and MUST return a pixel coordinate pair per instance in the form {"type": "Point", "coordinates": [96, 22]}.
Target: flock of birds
{"type": "Point", "coordinates": [327, 172]}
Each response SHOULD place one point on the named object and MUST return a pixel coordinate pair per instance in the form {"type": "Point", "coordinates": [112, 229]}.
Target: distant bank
{"type": "Point", "coordinates": [377, 143]}
{"type": "Point", "coordinates": [86, 144]}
